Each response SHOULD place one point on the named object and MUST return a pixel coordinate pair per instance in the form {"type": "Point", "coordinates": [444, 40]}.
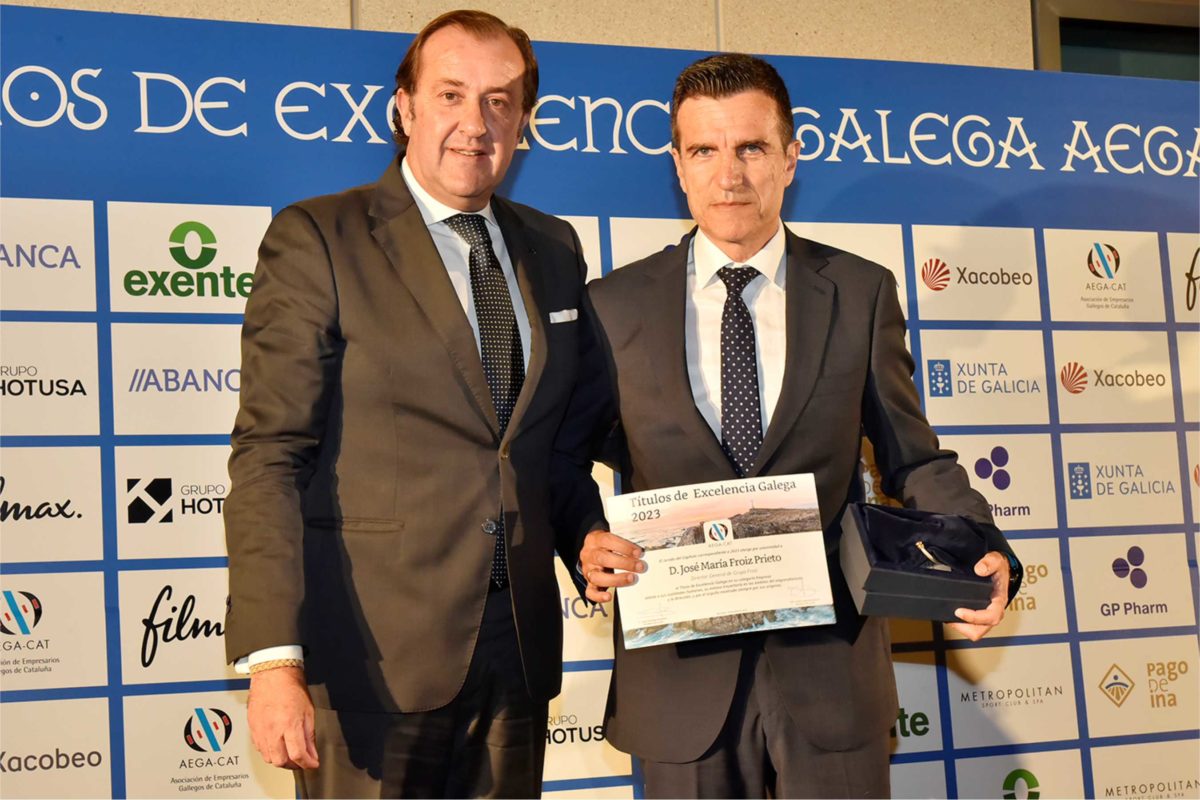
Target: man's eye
{"type": "Point", "coordinates": [497, 102]}
{"type": "Point", "coordinates": [449, 96]}
{"type": "Point", "coordinates": [703, 151]}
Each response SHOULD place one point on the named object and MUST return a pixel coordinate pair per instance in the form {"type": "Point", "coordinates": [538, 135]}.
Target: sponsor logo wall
{"type": "Point", "coordinates": [1041, 230]}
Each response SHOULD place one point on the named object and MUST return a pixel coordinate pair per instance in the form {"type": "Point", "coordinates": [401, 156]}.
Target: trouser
{"type": "Point", "coordinates": [761, 752]}
{"type": "Point", "coordinates": [490, 741]}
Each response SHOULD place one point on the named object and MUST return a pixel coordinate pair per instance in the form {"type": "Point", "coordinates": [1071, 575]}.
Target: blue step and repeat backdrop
{"type": "Point", "coordinates": [1043, 230]}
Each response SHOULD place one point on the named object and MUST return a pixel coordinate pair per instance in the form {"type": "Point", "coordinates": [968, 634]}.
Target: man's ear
{"type": "Point", "coordinates": [404, 106]}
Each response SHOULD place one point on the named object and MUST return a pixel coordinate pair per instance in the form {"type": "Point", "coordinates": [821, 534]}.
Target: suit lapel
{"type": "Point", "coordinates": [533, 292]}
{"type": "Point", "coordinates": [809, 311]}
{"type": "Point", "coordinates": [400, 230]}
{"type": "Point", "coordinates": [664, 319]}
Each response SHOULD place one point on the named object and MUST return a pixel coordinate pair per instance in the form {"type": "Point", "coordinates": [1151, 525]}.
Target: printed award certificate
{"type": "Point", "coordinates": [723, 558]}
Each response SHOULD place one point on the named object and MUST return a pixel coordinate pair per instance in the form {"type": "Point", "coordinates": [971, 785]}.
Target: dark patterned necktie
{"type": "Point", "coordinates": [741, 411]}
{"type": "Point", "coordinates": [499, 343]}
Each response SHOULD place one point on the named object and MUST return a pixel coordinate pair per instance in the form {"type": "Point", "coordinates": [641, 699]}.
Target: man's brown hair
{"type": "Point", "coordinates": [483, 26]}
{"type": "Point", "coordinates": [728, 74]}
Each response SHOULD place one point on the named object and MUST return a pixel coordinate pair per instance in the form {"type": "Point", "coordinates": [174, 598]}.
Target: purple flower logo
{"type": "Point", "coordinates": [993, 467]}
{"type": "Point", "coordinates": [1131, 567]}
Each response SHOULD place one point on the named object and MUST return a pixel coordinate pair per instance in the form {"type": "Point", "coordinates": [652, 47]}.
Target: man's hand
{"type": "Point", "coordinates": [280, 714]}
{"type": "Point", "coordinates": [602, 554]}
{"type": "Point", "coordinates": [976, 623]}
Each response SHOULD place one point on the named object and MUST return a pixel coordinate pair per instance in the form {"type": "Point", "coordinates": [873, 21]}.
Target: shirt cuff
{"type": "Point", "coordinates": [242, 665]}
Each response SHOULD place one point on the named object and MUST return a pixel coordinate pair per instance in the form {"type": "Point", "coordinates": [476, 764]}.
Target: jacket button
{"type": "Point", "coordinates": [489, 527]}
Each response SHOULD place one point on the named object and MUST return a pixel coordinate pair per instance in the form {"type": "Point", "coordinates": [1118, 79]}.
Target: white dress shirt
{"type": "Point", "coordinates": [767, 301]}
{"type": "Point", "coordinates": [455, 255]}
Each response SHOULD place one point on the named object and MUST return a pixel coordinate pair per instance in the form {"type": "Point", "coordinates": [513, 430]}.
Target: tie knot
{"type": "Point", "coordinates": [471, 227]}
{"type": "Point", "coordinates": [737, 278]}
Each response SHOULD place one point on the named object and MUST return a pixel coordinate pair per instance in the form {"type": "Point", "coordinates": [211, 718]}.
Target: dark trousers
{"type": "Point", "coordinates": [490, 741]}
{"type": "Point", "coordinates": [761, 752]}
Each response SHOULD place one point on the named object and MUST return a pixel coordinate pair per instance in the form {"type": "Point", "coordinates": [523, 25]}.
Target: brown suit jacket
{"type": "Point", "coordinates": [367, 455]}
{"type": "Point", "coordinates": [847, 373]}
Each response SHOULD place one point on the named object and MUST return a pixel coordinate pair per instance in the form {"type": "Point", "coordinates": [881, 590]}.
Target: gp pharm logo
{"type": "Point", "coordinates": [21, 613]}
{"type": "Point", "coordinates": [718, 530]}
{"type": "Point", "coordinates": [207, 730]}
{"type": "Point", "coordinates": [994, 467]}
{"type": "Point", "coordinates": [192, 245]}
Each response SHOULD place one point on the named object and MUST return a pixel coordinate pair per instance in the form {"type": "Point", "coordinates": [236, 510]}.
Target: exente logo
{"type": "Point", "coordinates": [718, 530]}
{"type": "Point", "coordinates": [207, 730]}
{"type": "Point", "coordinates": [193, 247]}
{"type": "Point", "coordinates": [946, 378]}
{"type": "Point", "coordinates": [936, 275]}
{"type": "Point", "coordinates": [21, 613]}
{"type": "Point", "coordinates": [1103, 261]}
{"type": "Point", "coordinates": [1131, 567]}
{"type": "Point", "coordinates": [149, 500]}
{"type": "Point", "coordinates": [175, 381]}
{"type": "Point", "coordinates": [1085, 480]}
{"type": "Point", "coordinates": [1021, 783]}
{"type": "Point", "coordinates": [1116, 685]}
{"type": "Point", "coordinates": [1074, 378]}
{"type": "Point", "coordinates": [914, 724]}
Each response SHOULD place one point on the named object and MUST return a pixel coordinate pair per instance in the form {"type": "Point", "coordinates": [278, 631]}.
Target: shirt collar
{"type": "Point", "coordinates": [434, 211]}
{"type": "Point", "coordinates": [769, 260]}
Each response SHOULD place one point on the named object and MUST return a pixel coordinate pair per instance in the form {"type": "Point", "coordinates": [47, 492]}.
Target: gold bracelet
{"type": "Point", "coordinates": [276, 663]}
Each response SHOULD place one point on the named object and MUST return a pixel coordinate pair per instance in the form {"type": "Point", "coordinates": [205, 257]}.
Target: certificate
{"type": "Point", "coordinates": [723, 558]}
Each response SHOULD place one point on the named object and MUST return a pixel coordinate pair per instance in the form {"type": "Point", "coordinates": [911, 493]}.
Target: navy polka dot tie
{"type": "Point", "coordinates": [741, 412]}
{"type": "Point", "coordinates": [499, 343]}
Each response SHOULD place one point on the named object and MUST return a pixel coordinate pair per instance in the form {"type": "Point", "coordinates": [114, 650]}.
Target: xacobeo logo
{"type": "Point", "coordinates": [193, 247]}
{"type": "Point", "coordinates": [935, 274]}
{"type": "Point", "coordinates": [1074, 378]}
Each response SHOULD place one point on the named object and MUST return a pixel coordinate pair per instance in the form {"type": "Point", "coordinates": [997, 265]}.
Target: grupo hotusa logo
{"type": "Point", "coordinates": [949, 378]}
{"type": "Point", "coordinates": [39, 256]}
{"type": "Point", "coordinates": [1087, 480]}
{"type": "Point", "coordinates": [22, 612]}
{"type": "Point", "coordinates": [1021, 783]}
{"type": "Point", "coordinates": [1103, 261]}
{"type": "Point", "coordinates": [27, 380]}
{"type": "Point", "coordinates": [913, 724]}
{"type": "Point", "coordinates": [207, 730]}
{"type": "Point", "coordinates": [1129, 567]}
{"type": "Point", "coordinates": [192, 246]}
{"type": "Point", "coordinates": [936, 274]}
{"type": "Point", "coordinates": [170, 623]}
{"type": "Point", "coordinates": [1117, 685]}
{"type": "Point", "coordinates": [566, 729]}
{"type": "Point", "coordinates": [718, 530]}
{"type": "Point", "coordinates": [32, 509]}
{"type": "Point", "coordinates": [149, 500]}
{"type": "Point", "coordinates": [1074, 378]}
{"type": "Point", "coordinates": [168, 380]}
{"type": "Point", "coordinates": [156, 500]}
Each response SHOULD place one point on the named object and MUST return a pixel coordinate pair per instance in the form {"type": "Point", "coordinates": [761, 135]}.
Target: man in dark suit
{"type": "Point", "coordinates": [748, 351]}
{"type": "Point", "coordinates": [408, 352]}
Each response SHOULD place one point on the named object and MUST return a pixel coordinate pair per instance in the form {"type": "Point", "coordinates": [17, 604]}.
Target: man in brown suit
{"type": "Point", "coordinates": [407, 356]}
{"type": "Point", "coordinates": [747, 351]}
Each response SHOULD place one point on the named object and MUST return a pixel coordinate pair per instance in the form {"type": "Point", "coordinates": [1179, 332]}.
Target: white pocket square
{"type": "Point", "coordinates": [566, 315]}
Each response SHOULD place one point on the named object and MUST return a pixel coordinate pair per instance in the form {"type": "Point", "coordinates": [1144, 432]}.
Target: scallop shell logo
{"type": "Point", "coordinates": [936, 274]}
{"type": "Point", "coordinates": [1074, 377]}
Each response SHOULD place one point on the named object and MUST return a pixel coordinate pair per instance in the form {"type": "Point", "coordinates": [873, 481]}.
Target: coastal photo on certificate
{"type": "Point", "coordinates": [723, 558]}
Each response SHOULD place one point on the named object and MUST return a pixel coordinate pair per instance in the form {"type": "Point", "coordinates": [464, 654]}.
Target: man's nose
{"type": "Point", "coordinates": [471, 122]}
{"type": "Point", "coordinates": [732, 172]}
